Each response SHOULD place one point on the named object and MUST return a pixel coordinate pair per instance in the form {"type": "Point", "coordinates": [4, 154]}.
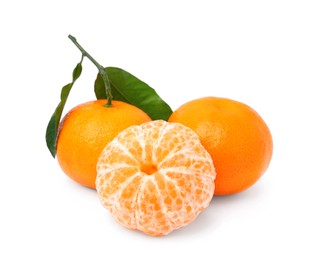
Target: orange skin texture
{"type": "Point", "coordinates": [85, 131]}
{"type": "Point", "coordinates": [237, 138]}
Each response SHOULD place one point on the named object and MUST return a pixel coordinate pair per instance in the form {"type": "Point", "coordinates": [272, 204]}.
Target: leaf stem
{"type": "Point", "coordinates": [100, 68]}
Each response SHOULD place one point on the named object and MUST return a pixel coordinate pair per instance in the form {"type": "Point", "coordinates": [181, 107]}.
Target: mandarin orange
{"type": "Point", "coordinates": [235, 135]}
{"type": "Point", "coordinates": [155, 178]}
{"type": "Point", "coordinates": [85, 131]}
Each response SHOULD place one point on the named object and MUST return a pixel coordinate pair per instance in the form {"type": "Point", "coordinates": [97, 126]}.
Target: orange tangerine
{"type": "Point", "coordinates": [85, 131]}
{"type": "Point", "coordinates": [155, 177]}
{"type": "Point", "coordinates": [236, 137]}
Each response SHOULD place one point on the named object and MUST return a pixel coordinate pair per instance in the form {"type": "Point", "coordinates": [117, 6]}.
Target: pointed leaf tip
{"type": "Point", "coordinates": [53, 125]}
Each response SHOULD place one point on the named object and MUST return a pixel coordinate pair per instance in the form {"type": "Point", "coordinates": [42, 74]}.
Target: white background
{"type": "Point", "coordinates": [262, 53]}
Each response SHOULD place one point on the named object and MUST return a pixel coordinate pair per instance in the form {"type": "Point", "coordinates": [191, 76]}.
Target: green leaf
{"type": "Point", "coordinates": [53, 125]}
{"type": "Point", "coordinates": [126, 87]}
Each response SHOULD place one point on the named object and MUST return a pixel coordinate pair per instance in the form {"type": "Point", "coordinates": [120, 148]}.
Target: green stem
{"type": "Point", "coordinates": [100, 68]}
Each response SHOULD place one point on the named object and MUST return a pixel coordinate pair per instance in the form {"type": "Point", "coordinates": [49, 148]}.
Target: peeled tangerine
{"type": "Point", "coordinates": [155, 178]}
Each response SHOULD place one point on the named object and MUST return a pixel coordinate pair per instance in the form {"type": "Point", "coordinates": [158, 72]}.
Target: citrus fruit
{"type": "Point", "coordinates": [237, 138]}
{"type": "Point", "coordinates": [155, 177]}
{"type": "Point", "coordinates": [85, 131]}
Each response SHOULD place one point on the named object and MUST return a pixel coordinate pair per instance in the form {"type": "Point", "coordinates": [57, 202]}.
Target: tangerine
{"type": "Point", "coordinates": [155, 177]}
{"type": "Point", "coordinates": [236, 137]}
{"type": "Point", "coordinates": [84, 132]}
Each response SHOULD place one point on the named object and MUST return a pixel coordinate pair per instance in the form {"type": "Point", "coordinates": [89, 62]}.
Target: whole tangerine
{"type": "Point", "coordinates": [84, 132]}
{"type": "Point", "coordinates": [235, 135]}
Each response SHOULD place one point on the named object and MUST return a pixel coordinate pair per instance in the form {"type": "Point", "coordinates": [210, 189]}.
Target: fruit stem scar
{"type": "Point", "coordinates": [100, 68]}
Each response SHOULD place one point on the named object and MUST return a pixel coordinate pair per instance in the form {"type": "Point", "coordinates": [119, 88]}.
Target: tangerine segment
{"type": "Point", "coordinates": [155, 177]}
